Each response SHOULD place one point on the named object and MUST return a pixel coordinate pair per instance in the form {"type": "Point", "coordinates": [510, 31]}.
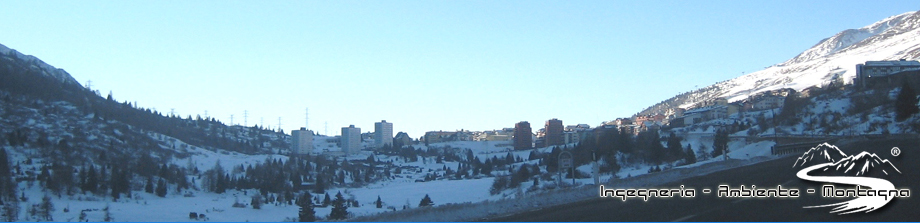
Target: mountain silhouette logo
{"type": "Point", "coordinates": [862, 170]}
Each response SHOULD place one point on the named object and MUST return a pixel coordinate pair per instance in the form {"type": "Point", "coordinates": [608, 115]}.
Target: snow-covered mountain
{"type": "Point", "coordinates": [846, 39]}
{"type": "Point", "coordinates": [834, 58]}
{"type": "Point", "coordinates": [48, 70]}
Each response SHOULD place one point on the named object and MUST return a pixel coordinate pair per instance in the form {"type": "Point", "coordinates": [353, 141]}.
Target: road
{"type": "Point", "coordinates": [709, 207]}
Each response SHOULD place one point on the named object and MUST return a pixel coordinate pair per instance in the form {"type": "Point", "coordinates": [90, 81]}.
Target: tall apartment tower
{"type": "Point", "coordinates": [302, 141]}
{"type": "Point", "coordinates": [351, 139]}
{"type": "Point", "coordinates": [553, 130]}
{"type": "Point", "coordinates": [383, 134]}
{"type": "Point", "coordinates": [523, 136]}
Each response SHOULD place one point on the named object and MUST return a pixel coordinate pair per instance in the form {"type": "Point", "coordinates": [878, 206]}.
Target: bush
{"type": "Point", "coordinates": [499, 184]}
{"type": "Point", "coordinates": [426, 202]}
{"type": "Point", "coordinates": [256, 201]}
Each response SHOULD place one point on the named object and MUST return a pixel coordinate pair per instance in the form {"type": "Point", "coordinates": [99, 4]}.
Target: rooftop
{"type": "Point", "coordinates": [893, 63]}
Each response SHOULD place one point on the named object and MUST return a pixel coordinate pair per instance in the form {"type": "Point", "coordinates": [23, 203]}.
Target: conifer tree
{"type": "Point", "coordinates": [256, 201]}
{"type": "Point", "coordinates": [107, 214]}
{"type": "Point", "coordinates": [306, 213]}
{"type": "Point", "coordinates": [906, 103]}
{"type": "Point", "coordinates": [45, 209]}
{"type": "Point", "coordinates": [690, 156]}
{"type": "Point", "coordinates": [327, 201]}
{"type": "Point", "coordinates": [339, 208]}
{"type": "Point", "coordinates": [426, 202]}
{"type": "Point", "coordinates": [91, 182]}
{"type": "Point", "coordinates": [149, 186]}
{"type": "Point", "coordinates": [8, 188]}
{"type": "Point", "coordinates": [161, 188]}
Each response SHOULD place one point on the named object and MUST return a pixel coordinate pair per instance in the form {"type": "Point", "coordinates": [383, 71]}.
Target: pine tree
{"type": "Point", "coordinates": [221, 185]}
{"type": "Point", "coordinates": [149, 186]}
{"type": "Point", "coordinates": [906, 103]}
{"type": "Point", "coordinates": [161, 188]}
{"type": "Point", "coordinates": [379, 202]}
{"type": "Point", "coordinates": [426, 202]}
{"type": "Point", "coordinates": [306, 214]}
{"type": "Point", "coordinates": [120, 183]}
{"type": "Point", "coordinates": [339, 209]}
{"type": "Point", "coordinates": [10, 211]}
{"type": "Point", "coordinates": [103, 186]}
{"type": "Point", "coordinates": [675, 150]}
{"type": "Point", "coordinates": [81, 176]}
{"type": "Point", "coordinates": [8, 188]}
{"type": "Point", "coordinates": [7, 184]}
{"type": "Point", "coordinates": [91, 181]}
{"type": "Point", "coordinates": [45, 209]}
{"type": "Point", "coordinates": [256, 201]}
{"type": "Point", "coordinates": [107, 214]}
{"type": "Point", "coordinates": [327, 201]}
{"type": "Point", "coordinates": [720, 144]}
{"type": "Point", "coordinates": [320, 185]}
{"type": "Point", "coordinates": [690, 156]}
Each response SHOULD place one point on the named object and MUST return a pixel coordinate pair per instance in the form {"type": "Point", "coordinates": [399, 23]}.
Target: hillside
{"type": "Point", "coordinates": [26, 79]}
{"type": "Point", "coordinates": [833, 58]}
{"type": "Point", "coordinates": [73, 148]}
{"type": "Point", "coordinates": [75, 155]}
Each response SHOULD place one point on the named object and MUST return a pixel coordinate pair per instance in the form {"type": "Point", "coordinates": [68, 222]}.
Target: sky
{"type": "Point", "coordinates": [422, 65]}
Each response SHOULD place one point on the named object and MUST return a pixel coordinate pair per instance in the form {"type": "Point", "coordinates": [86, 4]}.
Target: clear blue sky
{"type": "Point", "coordinates": [423, 65]}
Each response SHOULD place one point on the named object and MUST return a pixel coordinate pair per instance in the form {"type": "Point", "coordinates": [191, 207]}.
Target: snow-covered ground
{"type": "Point", "coordinates": [174, 207]}
{"type": "Point", "coordinates": [471, 199]}
{"type": "Point", "coordinates": [400, 194]}
{"type": "Point", "coordinates": [396, 194]}
{"type": "Point", "coordinates": [523, 201]}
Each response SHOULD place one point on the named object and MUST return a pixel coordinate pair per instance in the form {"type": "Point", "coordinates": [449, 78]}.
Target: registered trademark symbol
{"type": "Point", "coordinates": [895, 151]}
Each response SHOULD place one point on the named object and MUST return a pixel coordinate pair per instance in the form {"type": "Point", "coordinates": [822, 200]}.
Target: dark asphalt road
{"type": "Point", "coordinates": [709, 207]}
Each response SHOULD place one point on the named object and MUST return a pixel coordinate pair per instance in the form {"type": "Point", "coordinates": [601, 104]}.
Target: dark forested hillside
{"type": "Point", "coordinates": [26, 80]}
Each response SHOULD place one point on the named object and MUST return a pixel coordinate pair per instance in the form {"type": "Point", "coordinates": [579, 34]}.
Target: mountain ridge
{"type": "Point", "coordinates": [49, 70]}
{"type": "Point", "coordinates": [846, 38]}
{"type": "Point", "coordinates": [831, 59]}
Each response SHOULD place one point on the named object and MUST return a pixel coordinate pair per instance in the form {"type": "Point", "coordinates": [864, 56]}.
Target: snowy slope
{"type": "Point", "coordinates": [58, 74]}
{"type": "Point", "coordinates": [846, 39]}
{"type": "Point", "coordinates": [894, 38]}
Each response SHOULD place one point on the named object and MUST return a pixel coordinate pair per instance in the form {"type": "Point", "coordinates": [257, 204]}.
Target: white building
{"type": "Point", "coordinates": [383, 134]}
{"type": "Point", "coordinates": [769, 102]}
{"type": "Point", "coordinates": [570, 137]}
{"type": "Point", "coordinates": [881, 70]}
{"type": "Point", "coordinates": [577, 128]}
{"type": "Point", "coordinates": [351, 139]}
{"type": "Point", "coordinates": [694, 116]}
{"type": "Point", "coordinates": [302, 141]}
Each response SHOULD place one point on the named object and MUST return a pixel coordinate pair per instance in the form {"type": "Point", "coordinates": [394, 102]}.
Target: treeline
{"type": "Point", "coordinates": [25, 80]}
